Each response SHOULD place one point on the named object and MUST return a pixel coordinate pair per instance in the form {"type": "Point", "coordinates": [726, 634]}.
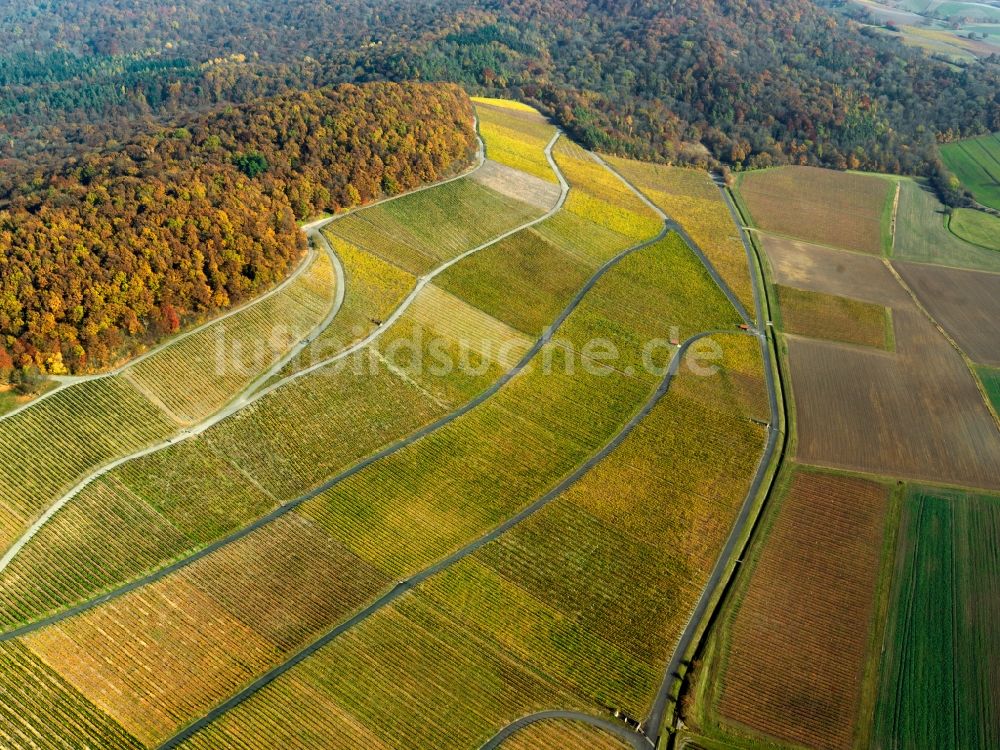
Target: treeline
{"type": "Point", "coordinates": [742, 82]}
{"type": "Point", "coordinates": [122, 245]}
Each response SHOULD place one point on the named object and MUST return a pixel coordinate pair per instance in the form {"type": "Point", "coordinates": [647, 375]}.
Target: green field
{"type": "Point", "coordinates": [976, 227]}
{"type": "Point", "coordinates": [827, 316]}
{"type": "Point", "coordinates": [938, 674]}
{"type": "Point", "coordinates": [420, 231]}
{"type": "Point", "coordinates": [976, 162]}
{"type": "Point", "coordinates": [922, 233]}
{"type": "Point", "coordinates": [991, 382]}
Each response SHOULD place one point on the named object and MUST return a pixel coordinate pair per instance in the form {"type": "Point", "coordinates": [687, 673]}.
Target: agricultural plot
{"type": "Point", "coordinates": [939, 680]}
{"type": "Point", "coordinates": [385, 522]}
{"type": "Point", "coordinates": [601, 197]}
{"type": "Point", "coordinates": [977, 227]}
{"type": "Point", "coordinates": [797, 637]}
{"type": "Point", "coordinates": [839, 209]}
{"type": "Point", "coordinates": [373, 288]}
{"type": "Point", "coordinates": [590, 243]}
{"type": "Point", "coordinates": [976, 163]}
{"type": "Point", "coordinates": [545, 616]}
{"type": "Point", "coordinates": [830, 271]}
{"type": "Point", "coordinates": [990, 378]}
{"type": "Point", "coordinates": [691, 198]}
{"type": "Point", "coordinates": [965, 303]}
{"type": "Point", "coordinates": [420, 231]}
{"type": "Point", "coordinates": [826, 316]}
{"type": "Point", "coordinates": [562, 735]}
{"type": "Point", "coordinates": [919, 413]}
{"type": "Point", "coordinates": [199, 375]}
{"type": "Point", "coordinates": [923, 236]}
{"type": "Point", "coordinates": [517, 138]}
{"type": "Point", "coordinates": [518, 185]}
{"type": "Point", "coordinates": [47, 449]}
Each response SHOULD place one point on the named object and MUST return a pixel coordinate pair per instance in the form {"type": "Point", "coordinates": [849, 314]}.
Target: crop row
{"type": "Point", "coordinates": [418, 232]}
{"type": "Point", "coordinates": [373, 288]}
{"type": "Point", "coordinates": [554, 735]}
{"type": "Point", "coordinates": [599, 196]}
{"type": "Point", "coordinates": [576, 607]}
{"type": "Point", "coordinates": [517, 140]}
{"type": "Point", "coordinates": [690, 198]}
{"type": "Point", "coordinates": [800, 634]}
{"type": "Point", "coordinates": [39, 710]}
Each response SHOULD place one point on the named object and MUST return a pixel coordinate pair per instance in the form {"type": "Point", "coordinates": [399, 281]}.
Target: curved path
{"type": "Point", "coordinates": [410, 583]}
{"type": "Point", "coordinates": [638, 741]}
{"type": "Point", "coordinates": [746, 517]}
{"type": "Point", "coordinates": [253, 392]}
{"type": "Point", "coordinates": [654, 720]}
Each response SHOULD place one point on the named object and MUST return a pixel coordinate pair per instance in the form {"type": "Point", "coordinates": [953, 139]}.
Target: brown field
{"type": "Point", "coordinates": [965, 303]}
{"type": "Point", "coordinates": [800, 635]}
{"type": "Point", "coordinates": [819, 205]}
{"type": "Point", "coordinates": [826, 316]}
{"type": "Point", "coordinates": [563, 735]}
{"type": "Point", "coordinates": [823, 269]}
{"type": "Point", "coordinates": [915, 414]}
{"type": "Point", "coordinates": [517, 184]}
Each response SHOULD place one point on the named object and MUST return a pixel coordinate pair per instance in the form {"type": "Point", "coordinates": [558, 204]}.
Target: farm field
{"type": "Point", "coordinates": [798, 635]}
{"type": "Point", "coordinates": [223, 359]}
{"type": "Point", "coordinates": [976, 163]}
{"type": "Point", "coordinates": [691, 198]}
{"type": "Point", "coordinates": [523, 623]}
{"type": "Point", "coordinates": [556, 735]}
{"type": "Point", "coordinates": [516, 137]}
{"type": "Point", "coordinates": [922, 234]}
{"type": "Point", "coordinates": [46, 449]}
{"type": "Point", "coordinates": [420, 231]}
{"type": "Point", "coordinates": [839, 209]}
{"type": "Point", "coordinates": [831, 271]}
{"type": "Point", "coordinates": [965, 303]}
{"type": "Point", "coordinates": [977, 227]}
{"type": "Point", "coordinates": [920, 415]}
{"type": "Point", "coordinates": [825, 316]}
{"type": "Point", "coordinates": [373, 289]}
{"type": "Point", "coordinates": [990, 378]}
{"type": "Point", "coordinates": [518, 185]}
{"type": "Point", "coordinates": [939, 686]}
{"type": "Point", "coordinates": [392, 518]}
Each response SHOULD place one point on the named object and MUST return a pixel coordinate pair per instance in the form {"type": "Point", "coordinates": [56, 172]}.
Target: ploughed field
{"type": "Point", "coordinates": [487, 486]}
{"type": "Point", "coordinates": [864, 613]}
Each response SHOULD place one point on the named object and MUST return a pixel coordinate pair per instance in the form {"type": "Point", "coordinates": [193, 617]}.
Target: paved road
{"type": "Point", "coordinates": [746, 517]}
{"type": "Point", "coordinates": [620, 731]}
{"type": "Point", "coordinates": [254, 391]}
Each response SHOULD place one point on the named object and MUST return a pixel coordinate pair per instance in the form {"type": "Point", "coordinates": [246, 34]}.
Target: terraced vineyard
{"type": "Point", "coordinates": [691, 199]}
{"type": "Point", "coordinates": [489, 486]}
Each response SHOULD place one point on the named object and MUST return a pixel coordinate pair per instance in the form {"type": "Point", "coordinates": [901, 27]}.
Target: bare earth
{"type": "Point", "coordinates": [915, 413]}
{"type": "Point", "coordinates": [516, 184]}
{"type": "Point", "coordinates": [965, 303]}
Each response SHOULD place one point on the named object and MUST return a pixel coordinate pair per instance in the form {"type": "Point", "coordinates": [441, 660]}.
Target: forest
{"type": "Point", "coordinates": [117, 247]}
{"type": "Point", "coordinates": [153, 158]}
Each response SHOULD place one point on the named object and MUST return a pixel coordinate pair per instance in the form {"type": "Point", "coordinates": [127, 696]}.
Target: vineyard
{"type": "Point", "coordinates": [839, 209]}
{"type": "Point", "coordinates": [826, 316]}
{"type": "Point", "coordinates": [798, 639]}
{"type": "Point", "coordinates": [419, 231]}
{"type": "Point", "coordinates": [693, 201]}
{"type": "Point", "coordinates": [516, 137]}
{"type": "Point", "coordinates": [938, 684]}
{"type": "Point", "coordinates": [575, 607]}
{"type": "Point", "coordinates": [435, 413]}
